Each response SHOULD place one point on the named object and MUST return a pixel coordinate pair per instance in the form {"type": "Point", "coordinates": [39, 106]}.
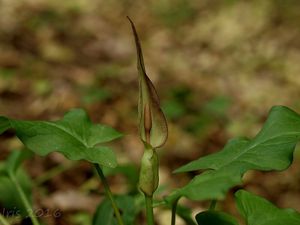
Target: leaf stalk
{"type": "Point", "coordinates": [24, 199]}
{"type": "Point", "coordinates": [174, 208]}
{"type": "Point", "coordinates": [109, 194]}
{"type": "Point", "coordinates": [213, 205]}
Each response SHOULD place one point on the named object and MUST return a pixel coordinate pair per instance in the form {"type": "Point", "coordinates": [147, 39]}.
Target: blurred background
{"type": "Point", "coordinates": [218, 66]}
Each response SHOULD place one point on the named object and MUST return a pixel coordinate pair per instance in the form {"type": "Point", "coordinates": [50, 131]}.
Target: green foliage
{"type": "Point", "coordinates": [258, 211]}
{"type": "Point", "coordinates": [104, 214]}
{"type": "Point", "coordinates": [9, 199]}
{"type": "Point", "coordinates": [74, 136]}
{"type": "Point", "coordinates": [212, 217]}
{"type": "Point", "coordinates": [271, 149]}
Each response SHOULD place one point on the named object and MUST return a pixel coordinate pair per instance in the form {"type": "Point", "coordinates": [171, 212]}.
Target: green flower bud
{"type": "Point", "coordinates": [149, 177]}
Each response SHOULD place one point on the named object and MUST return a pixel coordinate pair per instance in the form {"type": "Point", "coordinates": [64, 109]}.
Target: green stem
{"type": "Point", "coordinates": [109, 194]}
{"type": "Point", "coordinates": [3, 221]}
{"type": "Point", "coordinates": [149, 210]}
{"type": "Point", "coordinates": [24, 199]}
{"type": "Point", "coordinates": [213, 205]}
{"type": "Point", "coordinates": [174, 207]}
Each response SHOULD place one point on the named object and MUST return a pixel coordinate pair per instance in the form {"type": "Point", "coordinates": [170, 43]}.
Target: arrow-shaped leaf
{"type": "Point", "coordinates": [259, 211]}
{"type": "Point", "coordinates": [271, 149]}
{"type": "Point", "coordinates": [74, 136]}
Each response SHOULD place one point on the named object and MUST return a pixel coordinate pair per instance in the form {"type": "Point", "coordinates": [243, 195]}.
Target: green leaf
{"type": "Point", "coordinates": [209, 185]}
{"type": "Point", "coordinates": [104, 214]}
{"type": "Point", "coordinates": [152, 121]}
{"type": "Point", "coordinates": [271, 149]}
{"type": "Point", "coordinates": [74, 136]}
{"type": "Point", "coordinates": [258, 211]}
{"type": "Point", "coordinates": [212, 217]}
{"type": "Point", "coordinates": [9, 198]}
{"type": "Point", "coordinates": [215, 161]}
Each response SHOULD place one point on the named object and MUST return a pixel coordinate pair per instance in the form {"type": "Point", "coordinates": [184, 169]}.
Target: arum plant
{"type": "Point", "coordinates": [153, 131]}
{"type": "Point", "coordinates": [77, 138]}
{"type": "Point", "coordinates": [270, 149]}
{"type": "Point", "coordinates": [74, 136]}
